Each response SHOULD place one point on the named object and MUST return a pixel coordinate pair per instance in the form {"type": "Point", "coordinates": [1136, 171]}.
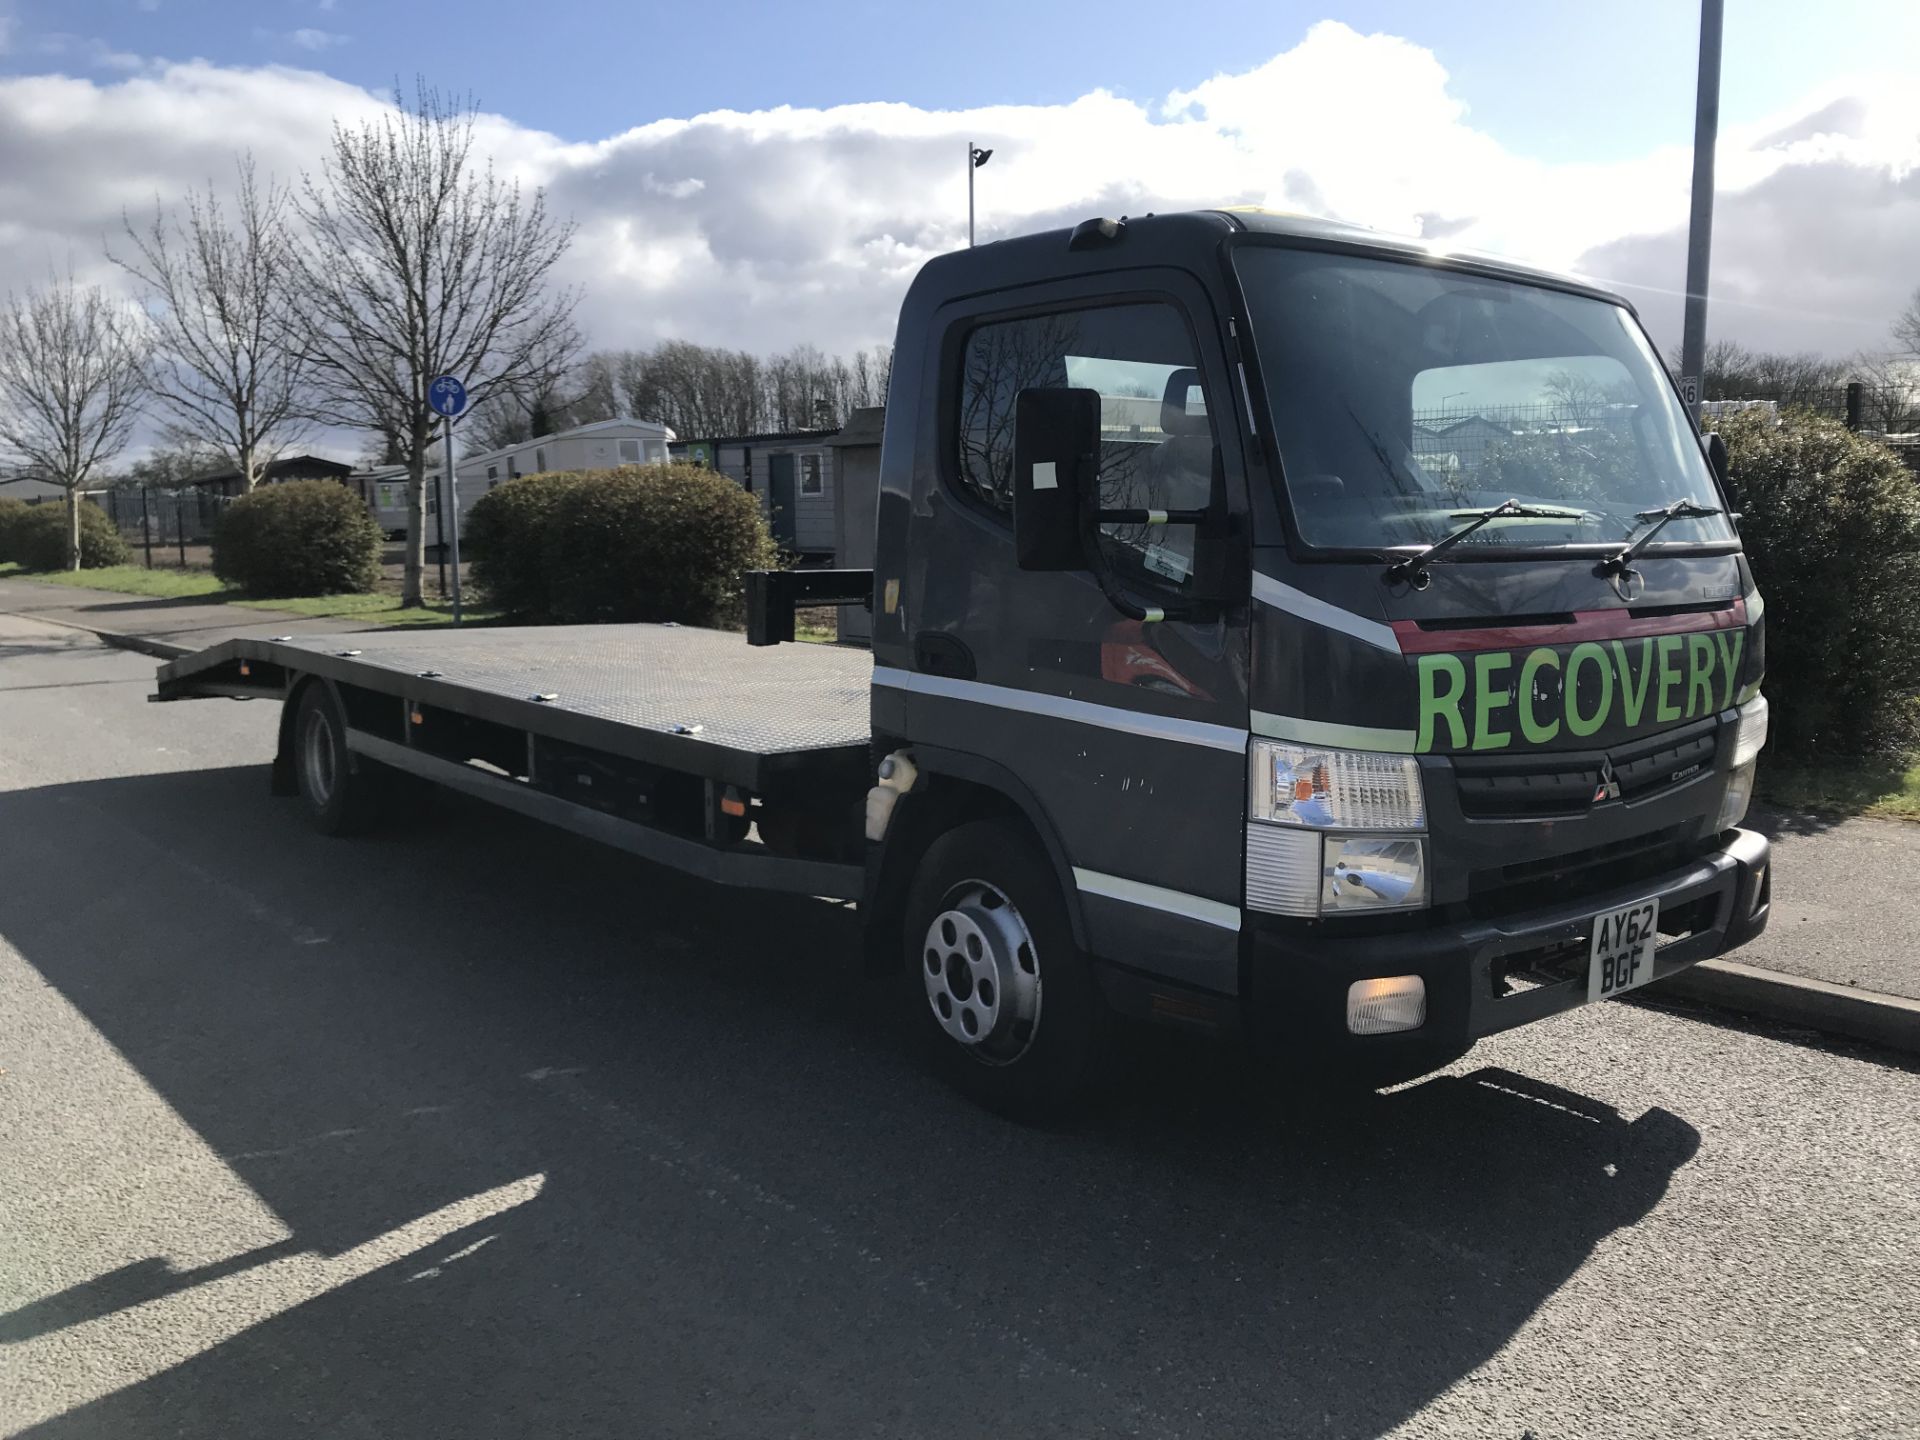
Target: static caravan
{"type": "Point", "coordinates": [602, 445]}
{"type": "Point", "coordinates": [792, 472]}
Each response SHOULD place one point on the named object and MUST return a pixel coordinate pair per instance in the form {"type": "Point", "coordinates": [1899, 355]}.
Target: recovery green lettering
{"type": "Point", "coordinates": [1441, 704]}
{"type": "Point", "coordinates": [1633, 701]}
{"type": "Point", "coordinates": [1664, 709]}
{"type": "Point", "coordinates": [1576, 722]}
{"type": "Point", "coordinates": [1730, 659]}
{"type": "Point", "coordinates": [1536, 733]}
{"type": "Point", "coordinates": [1487, 699]}
{"type": "Point", "coordinates": [1699, 675]}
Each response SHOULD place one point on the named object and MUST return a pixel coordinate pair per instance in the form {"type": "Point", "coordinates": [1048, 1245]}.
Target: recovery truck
{"type": "Point", "coordinates": [1278, 630]}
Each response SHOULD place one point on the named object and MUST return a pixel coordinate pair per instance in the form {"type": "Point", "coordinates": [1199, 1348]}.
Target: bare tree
{"type": "Point", "coordinates": [1734, 372]}
{"type": "Point", "coordinates": [705, 391]}
{"type": "Point", "coordinates": [73, 373]}
{"type": "Point", "coordinates": [1906, 327]}
{"type": "Point", "coordinates": [421, 262]}
{"type": "Point", "coordinates": [219, 287]}
{"type": "Point", "coordinates": [1890, 403]}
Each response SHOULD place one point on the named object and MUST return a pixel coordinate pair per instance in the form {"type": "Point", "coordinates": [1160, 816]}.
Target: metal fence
{"type": "Point", "coordinates": [155, 521]}
{"type": "Point", "coordinates": [1887, 413]}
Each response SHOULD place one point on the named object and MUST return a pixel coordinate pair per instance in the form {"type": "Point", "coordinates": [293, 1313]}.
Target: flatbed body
{"type": "Point", "coordinates": [639, 736]}
{"type": "Point", "coordinates": [695, 700]}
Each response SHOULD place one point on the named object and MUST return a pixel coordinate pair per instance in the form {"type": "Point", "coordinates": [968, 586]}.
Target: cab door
{"type": "Point", "coordinates": [1130, 733]}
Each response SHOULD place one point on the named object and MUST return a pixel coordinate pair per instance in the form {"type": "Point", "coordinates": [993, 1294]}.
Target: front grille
{"type": "Point", "coordinates": [1530, 883]}
{"type": "Point", "coordinates": [1677, 759]}
{"type": "Point", "coordinates": [1513, 787]}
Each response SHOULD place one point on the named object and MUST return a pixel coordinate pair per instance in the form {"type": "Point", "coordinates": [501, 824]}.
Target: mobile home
{"type": "Point", "coordinates": [792, 472]}
{"type": "Point", "coordinates": [603, 445]}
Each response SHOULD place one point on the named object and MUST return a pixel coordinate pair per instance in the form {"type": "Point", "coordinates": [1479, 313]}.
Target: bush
{"type": "Point", "coordinates": [12, 512]}
{"type": "Point", "coordinates": [504, 539]}
{"type": "Point", "coordinates": [306, 537]}
{"type": "Point", "coordinates": [655, 542]}
{"type": "Point", "coordinates": [1832, 530]}
{"type": "Point", "coordinates": [40, 537]}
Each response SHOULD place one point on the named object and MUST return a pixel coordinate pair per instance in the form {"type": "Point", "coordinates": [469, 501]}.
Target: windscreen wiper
{"type": "Point", "coordinates": [1658, 519]}
{"type": "Point", "coordinates": [1414, 567]}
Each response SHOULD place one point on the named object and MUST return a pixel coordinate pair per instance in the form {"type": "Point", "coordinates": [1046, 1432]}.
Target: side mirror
{"type": "Point", "coordinates": [1056, 442]}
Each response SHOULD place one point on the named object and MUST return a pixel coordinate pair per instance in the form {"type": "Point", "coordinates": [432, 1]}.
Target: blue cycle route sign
{"type": "Point", "coordinates": [447, 395]}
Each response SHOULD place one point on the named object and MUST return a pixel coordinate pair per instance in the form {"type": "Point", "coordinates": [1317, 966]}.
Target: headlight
{"type": "Point", "coordinates": [1301, 798]}
{"type": "Point", "coordinates": [1335, 789]}
{"type": "Point", "coordinates": [1371, 874]}
{"type": "Point", "coordinates": [1750, 731]}
{"type": "Point", "coordinates": [1733, 809]}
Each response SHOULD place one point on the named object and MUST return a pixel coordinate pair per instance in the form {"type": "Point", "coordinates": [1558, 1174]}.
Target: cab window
{"type": "Point", "coordinates": [1156, 437]}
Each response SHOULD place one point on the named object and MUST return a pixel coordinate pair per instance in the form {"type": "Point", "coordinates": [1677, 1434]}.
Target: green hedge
{"type": "Point", "coordinates": [12, 512]}
{"type": "Point", "coordinates": [1832, 529]}
{"type": "Point", "coordinates": [306, 537]}
{"type": "Point", "coordinates": [504, 539]}
{"type": "Point", "coordinates": [652, 543]}
{"type": "Point", "coordinates": [39, 537]}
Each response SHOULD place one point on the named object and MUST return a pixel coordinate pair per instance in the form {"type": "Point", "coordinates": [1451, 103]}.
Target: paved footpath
{"type": "Point", "coordinates": [165, 626]}
{"type": "Point", "coordinates": [1842, 953]}
{"type": "Point", "coordinates": [1846, 908]}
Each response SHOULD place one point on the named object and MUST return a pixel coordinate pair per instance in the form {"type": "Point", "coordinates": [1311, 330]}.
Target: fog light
{"type": "Point", "coordinates": [1381, 1007]}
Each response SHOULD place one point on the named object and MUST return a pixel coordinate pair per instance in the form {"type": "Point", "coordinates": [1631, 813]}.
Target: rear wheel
{"type": "Point", "coordinates": [1006, 1006]}
{"type": "Point", "coordinates": [341, 795]}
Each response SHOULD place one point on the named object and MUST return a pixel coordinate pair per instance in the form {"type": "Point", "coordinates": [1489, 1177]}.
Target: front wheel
{"type": "Point", "coordinates": [1006, 1006]}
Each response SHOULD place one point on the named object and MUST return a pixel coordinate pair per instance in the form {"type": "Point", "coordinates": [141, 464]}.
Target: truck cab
{"type": "Point", "coordinates": [1358, 632]}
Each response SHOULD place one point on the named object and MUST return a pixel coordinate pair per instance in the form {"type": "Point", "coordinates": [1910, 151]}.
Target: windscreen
{"type": "Point", "coordinates": [1408, 398]}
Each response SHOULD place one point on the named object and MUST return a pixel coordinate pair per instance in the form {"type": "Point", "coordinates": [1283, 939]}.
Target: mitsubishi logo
{"type": "Point", "coordinates": [1608, 788]}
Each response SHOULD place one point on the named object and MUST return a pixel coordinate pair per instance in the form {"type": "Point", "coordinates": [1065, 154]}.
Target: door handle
{"type": "Point", "coordinates": [937, 653]}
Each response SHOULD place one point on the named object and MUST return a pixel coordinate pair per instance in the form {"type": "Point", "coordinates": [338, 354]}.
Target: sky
{"type": "Point", "coordinates": [759, 174]}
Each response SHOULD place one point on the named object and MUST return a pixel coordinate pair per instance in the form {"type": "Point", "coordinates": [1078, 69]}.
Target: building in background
{"type": "Point", "coordinates": [793, 473]}
{"type": "Point", "coordinates": [856, 503]}
{"type": "Point", "coordinates": [230, 482]}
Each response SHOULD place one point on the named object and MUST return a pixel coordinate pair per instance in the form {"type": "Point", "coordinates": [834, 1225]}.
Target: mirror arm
{"type": "Point", "coordinates": [1197, 612]}
{"type": "Point", "coordinates": [1152, 517]}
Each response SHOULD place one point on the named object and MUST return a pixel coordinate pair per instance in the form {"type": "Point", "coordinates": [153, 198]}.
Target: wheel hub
{"type": "Point", "coordinates": [318, 754]}
{"type": "Point", "coordinates": [982, 973]}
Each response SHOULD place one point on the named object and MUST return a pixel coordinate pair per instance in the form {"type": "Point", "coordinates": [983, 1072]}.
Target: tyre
{"type": "Point", "coordinates": [1005, 1005]}
{"type": "Point", "coordinates": [340, 793]}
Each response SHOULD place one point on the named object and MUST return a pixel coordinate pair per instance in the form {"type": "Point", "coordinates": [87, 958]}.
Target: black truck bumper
{"type": "Point", "coordinates": [1483, 976]}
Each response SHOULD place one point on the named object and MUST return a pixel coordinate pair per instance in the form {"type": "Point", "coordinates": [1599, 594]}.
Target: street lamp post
{"type": "Point", "coordinates": [1706, 132]}
{"type": "Point", "coordinates": [976, 157]}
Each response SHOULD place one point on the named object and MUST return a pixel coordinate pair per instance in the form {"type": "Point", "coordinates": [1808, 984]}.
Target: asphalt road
{"type": "Point", "coordinates": [472, 1130]}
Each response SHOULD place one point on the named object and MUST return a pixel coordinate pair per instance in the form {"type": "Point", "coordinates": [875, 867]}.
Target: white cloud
{"type": "Point", "coordinates": [305, 38]}
{"type": "Point", "coordinates": [771, 227]}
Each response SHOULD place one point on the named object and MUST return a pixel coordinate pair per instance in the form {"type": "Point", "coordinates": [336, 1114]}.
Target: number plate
{"type": "Point", "coordinates": [1621, 957]}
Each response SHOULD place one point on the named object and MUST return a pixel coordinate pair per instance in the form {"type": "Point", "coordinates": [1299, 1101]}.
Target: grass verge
{"type": "Point", "coordinates": [130, 580]}
{"type": "Point", "coordinates": [1888, 789]}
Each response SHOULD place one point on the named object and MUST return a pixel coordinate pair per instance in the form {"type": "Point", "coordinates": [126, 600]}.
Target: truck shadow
{"type": "Point", "coordinates": [564, 1145]}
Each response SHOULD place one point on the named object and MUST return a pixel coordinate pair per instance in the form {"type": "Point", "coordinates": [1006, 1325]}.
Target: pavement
{"type": "Point", "coordinates": [162, 628]}
{"type": "Point", "coordinates": [1826, 962]}
{"type": "Point", "coordinates": [471, 1129]}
